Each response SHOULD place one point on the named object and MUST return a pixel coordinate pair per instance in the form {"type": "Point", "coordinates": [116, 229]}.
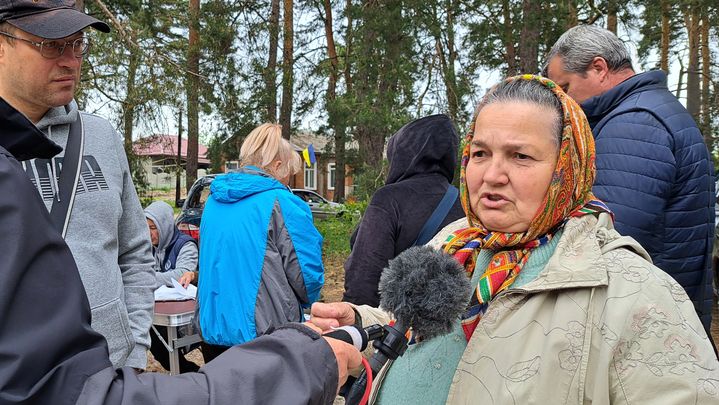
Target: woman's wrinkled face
{"type": "Point", "coordinates": [154, 233]}
{"type": "Point", "coordinates": [511, 162]}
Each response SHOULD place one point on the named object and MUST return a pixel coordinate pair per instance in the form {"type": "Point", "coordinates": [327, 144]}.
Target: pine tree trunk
{"type": "Point", "coordinates": [691, 19]}
{"type": "Point", "coordinates": [510, 51]}
{"type": "Point", "coordinates": [447, 61]}
{"type": "Point", "coordinates": [680, 80]}
{"type": "Point", "coordinates": [331, 101]}
{"type": "Point", "coordinates": [529, 44]}
{"type": "Point", "coordinates": [128, 106]}
{"type": "Point", "coordinates": [193, 95]}
{"type": "Point", "coordinates": [705, 123]}
{"type": "Point", "coordinates": [178, 161]}
{"type": "Point", "coordinates": [369, 86]}
{"type": "Point", "coordinates": [572, 19]}
{"type": "Point", "coordinates": [271, 69]}
{"type": "Point", "coordinates": [612, 16]}
{"type": "Point", "coordinates": [287, 70]}
{"type": "Point", "coordinates": [666, 30]}
{"type": "Point", "coordinates": [349, 37]}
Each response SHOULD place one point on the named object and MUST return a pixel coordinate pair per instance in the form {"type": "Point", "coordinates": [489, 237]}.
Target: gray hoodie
{"type": "Point", "coordinates": [107, 233]}
{"type": "Point", "coordinates": [162, 215]}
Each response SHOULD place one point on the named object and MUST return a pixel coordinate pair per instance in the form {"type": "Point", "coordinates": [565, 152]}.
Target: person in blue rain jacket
{"type": "Point", "coordinates": [260, 254]}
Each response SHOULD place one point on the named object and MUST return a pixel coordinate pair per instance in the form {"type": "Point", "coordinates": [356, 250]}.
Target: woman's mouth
{"type": "Point", "coordinates": [491, 200]}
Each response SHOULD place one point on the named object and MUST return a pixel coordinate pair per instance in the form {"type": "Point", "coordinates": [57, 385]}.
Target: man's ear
{"type": "Point", "coordinates": [599, 67]}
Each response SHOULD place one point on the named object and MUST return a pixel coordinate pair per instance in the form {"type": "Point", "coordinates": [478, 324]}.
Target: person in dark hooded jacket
{"type": "Point", "coordinates": [422, 159]}
{"type": "Point", "coordinates": [49, 354]}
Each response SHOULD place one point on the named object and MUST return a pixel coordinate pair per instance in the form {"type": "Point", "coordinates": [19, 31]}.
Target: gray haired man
{"type": "Point", "coordinates": [653, 167]}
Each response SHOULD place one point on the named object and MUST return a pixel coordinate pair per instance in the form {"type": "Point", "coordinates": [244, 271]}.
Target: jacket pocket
{"type": "Point", "coordinates": [111, 320]}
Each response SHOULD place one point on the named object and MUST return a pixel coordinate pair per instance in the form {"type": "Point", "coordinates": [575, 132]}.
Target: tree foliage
{"type": "Point", "coordinates": [357, 70]}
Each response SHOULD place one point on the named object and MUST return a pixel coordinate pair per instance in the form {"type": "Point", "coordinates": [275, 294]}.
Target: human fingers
{"type": "Point", "coordinates": [187, 278]}
{"type": "Point", "coordinates": [348, 358]}
{"type": "Point", "coordinates": [331, 315]}
{"type": "Point", "coordinates": [313, 327]}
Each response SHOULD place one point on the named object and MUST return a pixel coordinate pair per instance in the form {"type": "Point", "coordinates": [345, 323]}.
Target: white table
{"type": "Point", "coordinates": [172, 315]}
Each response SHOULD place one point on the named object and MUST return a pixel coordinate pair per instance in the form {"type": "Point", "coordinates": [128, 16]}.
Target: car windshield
{"type": "Point", "coordinates": [315, 198]}
{"type": "Point", "coordinates": [199, 197]}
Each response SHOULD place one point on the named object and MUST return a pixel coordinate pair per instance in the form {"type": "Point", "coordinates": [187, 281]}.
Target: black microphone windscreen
{"type": "Point", "coordinates": [426, 289]}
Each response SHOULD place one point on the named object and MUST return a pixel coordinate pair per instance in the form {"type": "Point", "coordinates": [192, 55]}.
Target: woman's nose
{"type": "Point", "coordinates": [496, 172]}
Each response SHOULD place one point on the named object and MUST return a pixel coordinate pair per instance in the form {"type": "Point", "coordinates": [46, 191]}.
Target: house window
{"type": "Point", "coordinates": [231, 165]}
{"type": "Point", "coordinates": [311, 177]}
{"type": "Point", "coordinates": [330, 176]}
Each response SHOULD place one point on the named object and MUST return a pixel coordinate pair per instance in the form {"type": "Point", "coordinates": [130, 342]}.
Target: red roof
{"type": "Point", "coordinates": [166, 146]}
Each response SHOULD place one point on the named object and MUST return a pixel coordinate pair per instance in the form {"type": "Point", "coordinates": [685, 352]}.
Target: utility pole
{"type": "Point", "coordinates": [193, 98]}
{"type": "Point", "coordinates": [178, 177]}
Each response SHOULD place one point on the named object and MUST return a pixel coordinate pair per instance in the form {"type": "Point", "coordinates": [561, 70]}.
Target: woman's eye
{"type": "Point", "coordinates": [478, 153]}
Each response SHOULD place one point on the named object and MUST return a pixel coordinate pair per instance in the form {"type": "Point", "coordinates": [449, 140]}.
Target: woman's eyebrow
{"type": "Point", "coordinates": [508, 145]}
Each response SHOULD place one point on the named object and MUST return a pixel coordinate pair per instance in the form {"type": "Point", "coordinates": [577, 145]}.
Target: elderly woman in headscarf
{"type": "Point", "coordinates": [564, 309]}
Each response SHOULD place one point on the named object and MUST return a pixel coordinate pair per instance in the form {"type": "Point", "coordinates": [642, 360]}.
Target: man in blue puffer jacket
{"type": "Point", "coordinates": [653, 167]}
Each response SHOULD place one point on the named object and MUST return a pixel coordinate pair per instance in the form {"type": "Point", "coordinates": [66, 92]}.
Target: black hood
{"type": "Point", "coordinates": [424, 146]}
{"type": "Point", "coordinates": [21, 138]}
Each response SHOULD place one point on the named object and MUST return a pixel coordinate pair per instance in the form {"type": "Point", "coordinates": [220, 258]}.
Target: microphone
{"type": "Point", "coordinates": [424, 289]}
{"type": "Point", "coordinates": [357, 337]}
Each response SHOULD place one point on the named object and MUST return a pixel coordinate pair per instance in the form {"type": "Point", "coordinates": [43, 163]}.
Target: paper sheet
{"type": "Point", "coordinates": [176, 292]}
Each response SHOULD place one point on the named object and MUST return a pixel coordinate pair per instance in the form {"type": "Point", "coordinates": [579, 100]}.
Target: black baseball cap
{"type": "Point", "coordinates": [50, 19]}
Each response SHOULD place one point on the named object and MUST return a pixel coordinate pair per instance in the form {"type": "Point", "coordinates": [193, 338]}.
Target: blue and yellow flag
{"type": "Point", "coordinates": [308, 154]}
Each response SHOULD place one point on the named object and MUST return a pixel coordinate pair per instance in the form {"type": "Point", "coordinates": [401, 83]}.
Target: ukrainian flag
{"type": "Point", "coordinates": [308, 154]}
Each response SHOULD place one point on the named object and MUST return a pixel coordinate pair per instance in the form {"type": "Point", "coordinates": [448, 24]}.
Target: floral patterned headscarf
{"type": "Point", "coordinates": [569, 194]}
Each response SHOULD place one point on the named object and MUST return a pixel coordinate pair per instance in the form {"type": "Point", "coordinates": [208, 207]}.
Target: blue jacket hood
{"type": "Point", "coordinates": [598, 106]}
{"type": "Point", "coordinates": [243, 183]}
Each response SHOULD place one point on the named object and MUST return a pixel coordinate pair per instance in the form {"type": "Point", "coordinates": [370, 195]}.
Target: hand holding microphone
{"type": "Point", "coordinates": [332, 315]}
{"type": "Point", "coordinates": [424, 289]}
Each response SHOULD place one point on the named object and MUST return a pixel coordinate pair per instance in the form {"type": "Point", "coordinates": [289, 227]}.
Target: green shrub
{"type": "Point", "coordinates": [336, 231]}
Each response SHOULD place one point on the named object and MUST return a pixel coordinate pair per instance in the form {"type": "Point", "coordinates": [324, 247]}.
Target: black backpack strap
{"type": "Point", "coordinates": [69, 176]}
{"type": "Point", "coordinates": [431, 227]}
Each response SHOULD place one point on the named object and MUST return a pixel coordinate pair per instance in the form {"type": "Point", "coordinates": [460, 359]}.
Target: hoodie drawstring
{"type": "Point", "coordinates": [53, 173]}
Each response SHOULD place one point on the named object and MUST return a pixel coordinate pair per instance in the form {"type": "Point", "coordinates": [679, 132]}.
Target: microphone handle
{"type": "Point", "coordinates": [358, 337]}
{"type": "Point", "coordinates": [350, 334]}
{"type": "Point", "coordinates": [356, 392]}
{"type": "Point", "coordinates": [390, 347]}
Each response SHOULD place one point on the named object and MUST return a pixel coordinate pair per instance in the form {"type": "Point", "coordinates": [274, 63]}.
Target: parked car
{"type": "Point", "coordinates": [320, 207]}
{"type": "Point", "coordinates": [189, 219]}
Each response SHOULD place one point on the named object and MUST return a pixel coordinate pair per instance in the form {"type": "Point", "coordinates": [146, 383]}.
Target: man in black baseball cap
{"type": "Point", "coordinates": [87, 187]}
{"type": "Point", "coordinates": [50, 19]}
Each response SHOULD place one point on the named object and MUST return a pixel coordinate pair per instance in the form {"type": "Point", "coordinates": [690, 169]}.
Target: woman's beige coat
{"type": "Point", "coordinates": [600, 325]}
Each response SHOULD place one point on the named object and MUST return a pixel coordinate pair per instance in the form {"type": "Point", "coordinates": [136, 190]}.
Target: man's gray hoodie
{"type": "Point", "coordinates": [107, 233]}
{"type": "Point", "coordinates": [162, 215]}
